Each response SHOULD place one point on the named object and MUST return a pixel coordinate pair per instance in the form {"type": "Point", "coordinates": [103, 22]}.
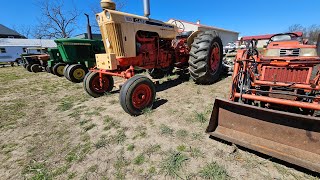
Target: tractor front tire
{"type": "Point", "coordinates": [92, 85]}
{"type": "Point", "coordinates": [206, 54]}
{"type": "Point", "coordinates": [35, 68]}
{"type": "Point", "coordinates": [28, 67]}
{"type": "Point", "coordinates": [49, 69]}
{"type": "Point", "coordinates": [25, 65]}
{"type": "Point", "coordinates": [76, 72]}
{"type": "Point", "coordinates": [137, 94]}
{"type": "Point", "coordinates": [58, 69]}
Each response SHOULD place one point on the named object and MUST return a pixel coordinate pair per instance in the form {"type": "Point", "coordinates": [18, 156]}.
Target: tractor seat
{"type": "Point", "coordinates": [185, 34]}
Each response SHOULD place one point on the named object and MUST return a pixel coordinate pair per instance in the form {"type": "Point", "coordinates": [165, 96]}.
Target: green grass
{"type": "Point", "coordinates": [213, 171]}
{"type": "Point", "coordinates": [166, 130]}
{"type": "Point", "coordinates": [182, 134]}
{"type": "Point", "coordinates": [141, 132]}
{"type": "Point", "coordinates": [37, 171]}
{"type": "Point", "coordinates": [102, 142]}
{"type": "Point", "coordinates": [152, 149]}
{"type": "Point", "coordinates": [120, 166]}
{"type": "Point", "coordinates": [119, 138]}
{"type": "Point", "coordinates": [110, 123]}
{"type": "Point", "coordinates": [181, 148]}
{"type": "Point", "coordinates": [12, 111]}
{"type": "Point", "coordinates": [200, 117]}
{"type": "Point", "coordinates": [147, 111]}
{"type": "Point", "coordinates": [89, 127]}
{"type": "Point", "coordinates": [130, 147]}
{"type": "Point", "coordinates": [139, 160]}
{"type": "Point", "coordinates": [173, 164]}
{"type": "Point", "coordinates": [196, 153]}
{"type": "Point", "coordinates": [65, 105]}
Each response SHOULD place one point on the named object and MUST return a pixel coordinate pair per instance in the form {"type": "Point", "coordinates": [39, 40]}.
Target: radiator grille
{"type": "Point", "coordinates": [284, 74]}
{"type": "Point", "coordinates": [114, 35]}
{"type": "Point", "coordinates": [289, 52]}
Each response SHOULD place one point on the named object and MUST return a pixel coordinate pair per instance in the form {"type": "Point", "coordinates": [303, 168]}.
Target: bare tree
{"type": "Point", "coordinates": [56, 21]}
{"type": "Point", "coordinates": [313, 33]}
{"type": "Point", "coordinates": [25, 30]}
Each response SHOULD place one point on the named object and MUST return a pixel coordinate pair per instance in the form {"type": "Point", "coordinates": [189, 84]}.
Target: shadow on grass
{"type": "Point", "coordinates": [159, 102]}
{"type": "Point", "coordinates": [272, 159]}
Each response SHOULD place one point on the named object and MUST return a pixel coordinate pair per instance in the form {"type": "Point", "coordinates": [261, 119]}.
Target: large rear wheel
{"type": "Point", "coordinates": [97, 86]}
{"type": "Point", "coordinates": [137, 94]}
{"type": "Point", "coordinates": [206, 54]}
{"type": "Point", "coordinates": [58, 69]}
{"type": "Point", "coordinates": [76, 72]}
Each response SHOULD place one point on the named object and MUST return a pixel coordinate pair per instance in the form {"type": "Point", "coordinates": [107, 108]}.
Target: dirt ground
{"type": "Point", "coordinates": [51, 129]}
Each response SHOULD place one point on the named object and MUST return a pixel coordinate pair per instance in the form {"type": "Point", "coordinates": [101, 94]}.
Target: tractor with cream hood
{"type": "Point", "coordinates": [133, 41]}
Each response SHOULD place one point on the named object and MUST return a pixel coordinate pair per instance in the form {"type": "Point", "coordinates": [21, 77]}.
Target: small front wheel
{"type": "Point", "coordinates": [95, 85]}
{"type": "Point", "coordinates": [35, 68]}
{"type": "Point", "coordinates": [76, 72]}
{"type": "Point", "coordinates": [58, 69]}
{"type": "Point", "coordinates": [137, 94]}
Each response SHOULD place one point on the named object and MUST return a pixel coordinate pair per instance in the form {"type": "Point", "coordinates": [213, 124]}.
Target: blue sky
{"type": "Point", "coordinates": [249, 17]}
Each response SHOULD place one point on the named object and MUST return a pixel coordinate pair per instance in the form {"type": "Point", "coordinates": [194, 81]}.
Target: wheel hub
{"type": "Point", "coordinates": [141, 96]}
{"type": "Point", "coordinates": [79, 74]}
{"type": "Point", "coordinates": [100, 85]}
{"type": "Point", "coordinates": [215, 57]}
{"type": "Point", "coordinates": [60, 70]}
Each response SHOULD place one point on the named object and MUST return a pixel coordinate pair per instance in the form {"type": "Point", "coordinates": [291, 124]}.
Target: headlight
{"type": "Point", "coordinates": [272, 52]}
{"type": "Point", "coordinates": [98, 18]}
{"type": "Point", "coordinates": [108, 15]}
{"type": "Point", "coordinates": [308, 52]}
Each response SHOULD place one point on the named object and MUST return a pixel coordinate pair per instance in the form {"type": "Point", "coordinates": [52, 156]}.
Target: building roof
{"type": "Point", "coordinates": [206, 26]}
{"type": "Point", "coordinates": [47, 43]}
{"type": "Point", "coordinates": [264, 37]}
{"type": "Point", "coordinates": [7, 31]}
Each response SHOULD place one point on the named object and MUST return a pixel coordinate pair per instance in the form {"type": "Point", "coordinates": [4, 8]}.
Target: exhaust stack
{"type": "Point", "coordinates": [89, 32]}
{"type": "Point", "coordinates": [146, 8]}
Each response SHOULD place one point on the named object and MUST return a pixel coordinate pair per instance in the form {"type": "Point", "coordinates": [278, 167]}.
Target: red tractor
{"type": "Point", "coordinates": [275, 101]}
{"type": "Point", "coordinates": [137, 41]}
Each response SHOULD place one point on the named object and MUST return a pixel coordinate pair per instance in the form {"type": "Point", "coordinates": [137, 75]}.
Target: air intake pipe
{"type": "Point", "coordinates": [89, 32]}
{"type": "Point", "coordinates": [146, 8]}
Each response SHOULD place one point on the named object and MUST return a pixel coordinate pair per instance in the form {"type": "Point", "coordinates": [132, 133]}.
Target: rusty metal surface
{"type": "Point", "coordinates": [286, 136]}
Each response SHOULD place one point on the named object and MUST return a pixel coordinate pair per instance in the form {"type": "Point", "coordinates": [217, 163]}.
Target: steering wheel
{"type": "Point", "coordinates": [179, 24]}
{"type": "Point", "coordinates": [290, 34]}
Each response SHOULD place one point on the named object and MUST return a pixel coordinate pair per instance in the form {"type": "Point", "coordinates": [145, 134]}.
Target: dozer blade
{"type": "Point", "coordinates": [290, 137]}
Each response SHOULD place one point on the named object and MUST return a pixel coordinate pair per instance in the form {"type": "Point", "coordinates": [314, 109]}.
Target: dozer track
{"type": "Point", "coordinates": [289, 137]}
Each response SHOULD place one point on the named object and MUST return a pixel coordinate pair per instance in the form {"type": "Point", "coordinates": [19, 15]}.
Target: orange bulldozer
{"type": "Point", "coordinates": [274, 106]}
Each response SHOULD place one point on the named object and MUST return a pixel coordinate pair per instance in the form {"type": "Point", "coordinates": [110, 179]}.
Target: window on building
{"type": "Point", "coordinates": [38, 50]}
{"type": "Point", "coordinates": [3, 50]}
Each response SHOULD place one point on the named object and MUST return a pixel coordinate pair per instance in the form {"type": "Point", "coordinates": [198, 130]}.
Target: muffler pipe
{"type": "Point", "coordinates": [146, 8]}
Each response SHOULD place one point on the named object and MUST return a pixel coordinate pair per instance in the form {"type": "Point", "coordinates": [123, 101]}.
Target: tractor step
{"type": "Point", "coordinates": [289, 137]}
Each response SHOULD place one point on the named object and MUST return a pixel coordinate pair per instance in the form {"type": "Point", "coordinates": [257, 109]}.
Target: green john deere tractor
{"type": "Point", "coordinates": [78, 55]}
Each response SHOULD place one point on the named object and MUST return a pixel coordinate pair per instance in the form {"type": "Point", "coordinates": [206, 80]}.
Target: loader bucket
{"type": "Point", "coordinates": [289, 137]}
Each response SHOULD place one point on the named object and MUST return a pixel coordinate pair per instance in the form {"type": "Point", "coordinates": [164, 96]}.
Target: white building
{"type": "Point", "coordinates": [11, 49]}
{"type": "Point", "coordinates": [226, 35]}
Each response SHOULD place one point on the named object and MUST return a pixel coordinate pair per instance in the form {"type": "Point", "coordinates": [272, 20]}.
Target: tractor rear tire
{"type": "Point", "coordinates": [137, 94]}
{"type": "Point", "coordinates": [35, 68]}
{"type": "Point", "coordinates": [58, 69]}
{"type": "Point", "coordinates": [206, 54]}
{"type": "Point", "coordinates": [91, 84]}
{"type": "Point", "coordinates": [76, 72]}
{"type": "Point", "coordinates": [28, 67]}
